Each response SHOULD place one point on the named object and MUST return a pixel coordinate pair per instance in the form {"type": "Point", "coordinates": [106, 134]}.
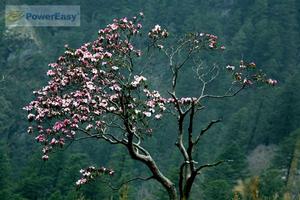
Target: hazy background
{"type": "Point", "coordinates": [260, 130]}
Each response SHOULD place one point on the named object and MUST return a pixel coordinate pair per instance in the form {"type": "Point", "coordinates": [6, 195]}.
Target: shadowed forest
{"type": "Point", "coordinates": [260, 128]}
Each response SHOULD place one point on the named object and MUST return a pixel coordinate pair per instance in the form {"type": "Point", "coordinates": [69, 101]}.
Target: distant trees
{"type": "Point", "coordinates": [101, 91]}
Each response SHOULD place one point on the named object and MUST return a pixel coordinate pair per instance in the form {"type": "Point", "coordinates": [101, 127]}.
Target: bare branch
{"type": "Point", "coordinates": [214, 76]}
{"type": "Point", "coordinates": [180, 182]}
{"type": "Point", "coordinates": [113, 140]}
{"type": "Point", "coordinates": [179, 47]}
{"type": "Point", "coordinates": [224, 96]}
{"type": "Point", "coordinates": [190, 136]}
{"type": "Point", "coordinates": [86, 137]}
{"type": "Point", "coordinates": [107, 137]}
{"type": "Point", "coordinates": [186, 59]}
{"type": "Point", "coordinates": [211, 165]}
{"type": "Point", "coordinates": [128, 181]}
{"type": "Point", "coordinates": [206, 129]}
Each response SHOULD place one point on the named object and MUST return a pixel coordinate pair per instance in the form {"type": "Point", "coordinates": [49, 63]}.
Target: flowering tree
{"type": "Point", "coordinates": [97, 91]}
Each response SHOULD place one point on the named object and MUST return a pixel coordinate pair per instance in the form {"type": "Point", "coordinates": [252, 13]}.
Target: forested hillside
{"type": "Point", "coordinates": [260, 129]}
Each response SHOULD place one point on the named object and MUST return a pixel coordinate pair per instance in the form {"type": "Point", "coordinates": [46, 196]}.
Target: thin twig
{"type": "Point", "coordinates": [206, 129]}
{"type": "Point", "coordinates": [211, 165]}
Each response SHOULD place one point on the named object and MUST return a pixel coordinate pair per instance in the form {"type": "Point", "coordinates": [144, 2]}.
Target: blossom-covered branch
{"type": "Point", "coordinates": [97, 91]}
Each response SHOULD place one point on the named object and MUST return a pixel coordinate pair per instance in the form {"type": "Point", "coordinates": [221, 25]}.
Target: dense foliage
{"type": "Point", "coordinates": [261, 136]}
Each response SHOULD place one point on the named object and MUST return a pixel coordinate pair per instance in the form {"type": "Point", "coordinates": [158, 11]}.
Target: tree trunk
{"type": "Point", "coordinates": [157, 175]}
{"type": "Point", "coordinates": [150, 163]}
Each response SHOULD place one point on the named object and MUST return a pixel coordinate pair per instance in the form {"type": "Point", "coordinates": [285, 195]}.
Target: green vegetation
{"type": "Point", "coordinates": [266, 31]}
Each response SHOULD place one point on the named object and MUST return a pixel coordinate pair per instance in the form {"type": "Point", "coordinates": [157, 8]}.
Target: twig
{"type": "Point", "coordinates": [206, 129]}
{"type": "Point", "coordinates": [128, 181]}
{"type": "Point", "coordinates": [224, 96]}
{"type": "Point", "coordinates": [211, 165]}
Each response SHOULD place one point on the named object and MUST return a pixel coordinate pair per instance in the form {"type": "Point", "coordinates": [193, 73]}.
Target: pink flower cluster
{"type": "Point", "coordinates": [137, 80]}
{"type": "Point", "coordinates": [212, 41]}
{"type": "Point", "coordinates": [156, 101]}
{"type": "Point", "coordinates": [91, 173]}
{"type": "Point", "coordinates": [154, 104]}
{"type": "Point", "coordinates": [230, 67]}
{"type": "Point", "coordinates": [85, 85]}
{"type": "Point", "coordinates": [271, 81]}
{"type": "Point", "coordinates": [157, 32]}
{"type": "Point", "coordinates": [209, 40]}
{"type": "Point", "coordinates": [247, 74]}
{"type": "Point", "coordinates": [187, 100]}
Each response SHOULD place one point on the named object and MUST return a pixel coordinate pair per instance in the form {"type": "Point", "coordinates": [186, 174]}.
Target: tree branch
{"type": "Point", "coordinates": [223, 96]}
{"type": "Point", "coordinates": [180, 181]}
{"type": "Point", "coordinates": [176, 103]}
{"type": "Point", "coordinates": [206, 129]}
{"type": "Point", "coordinates": [128, 181]}
{"type": "Point", "coordinates": [149, 162]}
{"type": "Point", "coordinates": [190, 137]}
{"type": "Point", "coordinates": [211, 165]}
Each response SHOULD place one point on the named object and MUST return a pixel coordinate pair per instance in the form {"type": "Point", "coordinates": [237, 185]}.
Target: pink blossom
{"type": "Point", "coordinates": [30, 129]}
{"type": "Point", "coordinates": [230, 67]}
{"type": "Point", "coordinates": [164, 33]}
{"type": "Point", "coordinates": [115, 87]}
{"type": "Point", "coordinates": [114, 26]}
{"type": "Point", "coordinates": [28, 108]}
{"type": "Point", "coordinates": [137, 80]}
{"type": "Point", "coordinates": [30, 117]}
{"type": "Point", "coordinates": [112, 108]}
{"type": "Point", "coordinates": [103, 103]}
{"type": "Point", "coordinates": [53, 141]}
{"type": "Point", "coordinates": [242, 65]}
{"type": "Point", "coordinates": [81, 181]}
{"type": "Point", "coordinates": [160, 46]}
{"type": "Point", "coordinates": [45, 157]}
{"type": "Point", "coordinates": [50, 73]}
{"type": "Point", "coordinates": [114, 97]}
{"type": "Point", "coordinates": [66, 122]}
{"type": "Point", "coordinates": [271, 82]}
{"type": "Point", "coordinates": [252, 65]}
{"type": "Point", "coordinates": [186, 100]}
{"type": "Point", "coordinates": [107, 54]}
{"type": "Point", "coordinates": [57, 126]}
{"type": "Point", "coordinates": [53, 65]}
{"type": "Point", "coordinates": [124, 20]}
{"type": "Point", "coordinates": [90, 85]}
{"type": "Point", "coordinates": [111, 172]}
{"type": "Point", "coordinates": [115, 68]}
{"type": "Point", "coordinates": [247, 82]}
{"type": "Point", "coordinates": [139, 53]}
{"type": "Point", "coordinates": [147, 114]}
{"type": "Point", "coordinates": [158, 116]}
{"type": "Point", "coordinates": [88, 127]}
{"type": "Point", "coordinates": [156, 28]}
{"type": "Point", "coordinates": [61, 141]}
{"type": "Point", "coordinates": [149, 130]}
{"type": "Point", "coordinates": [151, 103]}
{"type": "Point", "coordinates": [40, 138]}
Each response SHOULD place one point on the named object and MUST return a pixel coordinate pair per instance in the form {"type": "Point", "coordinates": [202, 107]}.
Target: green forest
{"type": "Point", "coordinates": [255, 135]}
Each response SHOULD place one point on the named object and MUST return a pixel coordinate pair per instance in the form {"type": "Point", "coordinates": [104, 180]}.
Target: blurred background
{"type": "Point", "coordinates": [260, 131]}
